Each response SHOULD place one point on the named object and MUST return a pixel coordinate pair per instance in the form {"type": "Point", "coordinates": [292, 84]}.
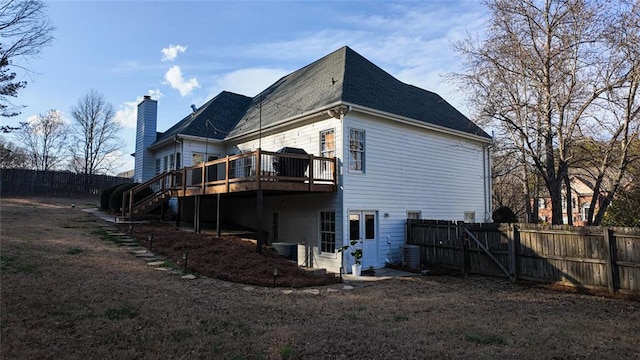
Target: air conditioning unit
{"type": "Point", "coordinates": [411, 256]}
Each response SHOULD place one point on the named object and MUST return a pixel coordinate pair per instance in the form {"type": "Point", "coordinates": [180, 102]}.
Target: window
{"type": "Point", "coordinates": [542, 203]}
{"type": "Point", "coordinates": [584, 212]}
{"type": "Point", "coordinates": [166, 163]}
{"type": "Point", "coordinates": [328, 231]}
{"type": "Point", "coordinates": [178, 161]}
{"type": "Point", "coordinates": [275, 230]}
{"type": "Point", "coordinates": [414, 215]}
{"type": "Point", "coordinates": [171, 162]}
{"type": "Point", "coordinates": [327, 143]}
{"type": "Point", "coordinates": [158, 166]}
{"type": "Point", "coordinates": [356, 150]}
{"type": "Point", "coordinates": [197, 159]}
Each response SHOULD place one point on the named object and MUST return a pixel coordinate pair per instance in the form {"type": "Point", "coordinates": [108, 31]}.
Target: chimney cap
{"type": "Point", "coordinates": [147, 97]}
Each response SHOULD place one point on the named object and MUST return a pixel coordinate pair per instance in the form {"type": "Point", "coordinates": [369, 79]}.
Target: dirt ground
{"type": "Point", "coordinates": [68, 294]}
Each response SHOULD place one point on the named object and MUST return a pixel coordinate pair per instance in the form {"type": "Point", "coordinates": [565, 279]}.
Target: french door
{"type": "Point", "coordinates": [363, 226]}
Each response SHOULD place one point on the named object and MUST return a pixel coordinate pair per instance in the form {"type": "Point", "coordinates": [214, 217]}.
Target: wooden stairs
{"type": "Point", "coordinates": [133, 207]}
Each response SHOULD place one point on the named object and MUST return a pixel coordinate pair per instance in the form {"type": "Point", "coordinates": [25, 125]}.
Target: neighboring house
{"type": "Point", "coordinates": [381, 151]}
{"type": "Point", "coordinates": [581, 193]}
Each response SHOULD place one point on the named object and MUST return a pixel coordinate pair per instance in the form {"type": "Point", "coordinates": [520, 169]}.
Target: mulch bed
{"type": "Point", "coordinates": [227, 258]}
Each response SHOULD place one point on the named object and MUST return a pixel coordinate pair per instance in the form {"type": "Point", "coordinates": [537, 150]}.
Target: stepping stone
{"type": "Point", "coordinates": [347, 287]}
{"type": "Point", "coordinates": [176, 272]}
{"type": "Point", "coordinates": [137, 250]}
{"type": "Point", "coordinates": [332, 290]}
{"type": "Point", "coordinates": [248, 288]}
{"type": "Point", "coordinates": [287, 292]}
{"type": "Point", "coordinates": [189, 277]}
{"type": "Point", "coordinates": [128, 244]}
{"type": "Point", "coordinates": [155, 263]}
{"type": "Point", "coordinates": [116, 233]}
{"type": "Point", "coordinates": [146, 255]}
{"type": "Point", "coordinates": [311, 291]}
{"type": "Point", "coordinates": [162, 269]}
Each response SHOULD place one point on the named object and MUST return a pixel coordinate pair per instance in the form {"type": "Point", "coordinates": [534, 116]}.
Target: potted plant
{"type": "Point", "coordinates": [356, 268]}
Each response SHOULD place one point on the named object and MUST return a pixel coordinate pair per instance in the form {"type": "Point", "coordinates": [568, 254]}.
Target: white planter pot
{"type": "Point", "coordinates": [356, 269]}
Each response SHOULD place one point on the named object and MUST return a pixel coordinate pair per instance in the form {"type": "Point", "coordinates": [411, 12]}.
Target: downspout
{"type": "Point", "coordinates": [487, 197]}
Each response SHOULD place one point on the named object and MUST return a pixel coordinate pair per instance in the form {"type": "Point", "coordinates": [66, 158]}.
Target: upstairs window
{"type": "Point", "coordinates": [158, 166]}
{"type": "Point", "coordinates": [327, 143]}
{"type": "Point", "coordinates": [542, 203]}
{"type": "Point", "coordinates": [356, 150]}
{"type": "Point", "coordinates": [414, 214]}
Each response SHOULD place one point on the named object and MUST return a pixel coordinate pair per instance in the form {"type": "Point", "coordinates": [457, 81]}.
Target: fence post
{"type": "Point", "coordinates": [464, 248]}
{"type": "Point", "coordinates": [610, 250]}
{"type": "Point", "coordinates": [514, 243]}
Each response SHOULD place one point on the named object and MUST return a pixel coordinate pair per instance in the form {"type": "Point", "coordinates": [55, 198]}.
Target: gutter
{"type": "Point", "coordinates": [365, 110]}
{"type": "Point", "coordinates": [168, 140]}
{"type": "Point", "coordinates": [289, 121]}
{"type": "Point", "coordinates": [419, 123]}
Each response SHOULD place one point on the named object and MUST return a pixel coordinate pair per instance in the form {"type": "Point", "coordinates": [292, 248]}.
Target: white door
{"type": "Point", "coordinates": [363, 226]}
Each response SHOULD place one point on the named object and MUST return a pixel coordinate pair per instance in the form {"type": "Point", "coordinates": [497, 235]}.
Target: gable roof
{"type": "Point", "coordinates": [222, 112]}
{"type": "Point", "coordinates": [346, 77]}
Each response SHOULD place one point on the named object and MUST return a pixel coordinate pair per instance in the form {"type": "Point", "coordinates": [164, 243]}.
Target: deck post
{"type": "Point", "coordinates": [260, 239]}
{"type": "Point", "coordinates": [311, 172]}
{"type": "Point", "coordinates": [196, 214]}
{"type": "Point", "coordinates": [258, 168]}
{"type": "Point", "coordinates": [218, 230]}
{"type": "Point", "coordinates": [179, 213]}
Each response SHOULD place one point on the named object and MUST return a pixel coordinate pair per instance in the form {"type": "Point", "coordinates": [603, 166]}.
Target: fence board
{"type": "Point", "coordinates": [577, 256]}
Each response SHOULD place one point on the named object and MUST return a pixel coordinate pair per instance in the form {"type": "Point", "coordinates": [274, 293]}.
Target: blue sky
{"type": "Point", "coordinates": [183, 52]}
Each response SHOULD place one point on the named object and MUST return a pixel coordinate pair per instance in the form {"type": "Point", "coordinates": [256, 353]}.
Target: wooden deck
{"type": "Point", "coordinates": [239, 173]}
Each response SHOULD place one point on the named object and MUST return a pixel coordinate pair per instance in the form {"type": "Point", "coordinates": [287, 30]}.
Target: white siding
{"type": "Point", "coordinates": [409, 168]}
{"type": "Point", "coordinates": [299, 214]}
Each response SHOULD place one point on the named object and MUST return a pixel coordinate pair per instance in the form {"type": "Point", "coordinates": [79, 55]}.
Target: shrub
{"type": "Point", "coordinates": [115, 201]}
{"type": "Point", "coordinates": [504, 215]}
{"type": "Point", "coordinates": [105, 195]}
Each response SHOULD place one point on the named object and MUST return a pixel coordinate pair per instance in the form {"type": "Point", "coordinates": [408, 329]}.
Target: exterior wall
{"type": "Point", "coordinates": [298, 221]}
{"type": "Point", "coordinates": [299, 214]}
{"type": "Point", "coordinates": [412, 169]}
{"type": "Point", "coordinates": [145, 136]}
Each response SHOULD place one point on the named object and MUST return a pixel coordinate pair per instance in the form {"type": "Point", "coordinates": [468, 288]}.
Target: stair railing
{"type": "Point", "coordinates": [160, 184]}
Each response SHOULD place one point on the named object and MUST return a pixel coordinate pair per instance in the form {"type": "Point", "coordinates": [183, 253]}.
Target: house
{"type": "Point", "coordinates": [379, 151]}
{"type": "Point", "coordinates": [581, 194]}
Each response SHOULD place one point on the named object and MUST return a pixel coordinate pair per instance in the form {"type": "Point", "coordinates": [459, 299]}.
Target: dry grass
{"type": "Point", "coordinates": [67, 294]}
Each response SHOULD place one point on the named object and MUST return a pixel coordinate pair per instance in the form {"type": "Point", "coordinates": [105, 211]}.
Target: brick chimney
{"type": "Point", "coordinates": [145, 136]}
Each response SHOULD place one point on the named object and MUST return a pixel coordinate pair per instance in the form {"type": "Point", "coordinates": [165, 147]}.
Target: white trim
{"type": "Point", "coordinates": [418, 123]}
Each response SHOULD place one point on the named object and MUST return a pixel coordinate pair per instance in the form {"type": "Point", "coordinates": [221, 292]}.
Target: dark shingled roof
{"type": "Point", "coordinates": [223, 113]}
{"type": "Point", "coordinates": [347, 77]}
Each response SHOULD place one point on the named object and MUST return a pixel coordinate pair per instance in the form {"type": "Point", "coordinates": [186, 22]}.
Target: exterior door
{"type": "Point", "coordinates": [363, 226]}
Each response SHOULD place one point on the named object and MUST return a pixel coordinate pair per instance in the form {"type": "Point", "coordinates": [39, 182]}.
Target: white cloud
{"type": "Point", "coordinates": [171, 53]}
{"type": "Point", "coordinates": [250, 81]}
{"type": "Point", "coordinates": [174, 78]}
{"type": "Point", "coordinates": [127, 115]}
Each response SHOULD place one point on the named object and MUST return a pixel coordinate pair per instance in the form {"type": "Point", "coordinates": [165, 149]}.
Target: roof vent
{"type": "Point", "coordinates": [147, 97]}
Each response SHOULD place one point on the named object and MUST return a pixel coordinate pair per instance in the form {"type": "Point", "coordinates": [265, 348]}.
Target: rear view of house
{"type": "Point", "coordinates": [338, 150]}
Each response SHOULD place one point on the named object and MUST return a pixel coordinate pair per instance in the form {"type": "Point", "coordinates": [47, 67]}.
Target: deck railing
{"type": "Point", "coordinates": [253, 170]}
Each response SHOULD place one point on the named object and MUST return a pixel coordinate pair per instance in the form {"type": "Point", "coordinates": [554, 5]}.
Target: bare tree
{"type": "Point", "coordinates": [540, 68]}
{"type": "Point", "coordinates": [45, 140]}
{"type": "Point", "coordinates": [24, 30]}
{"type": "Point", "coordinates": [96, 140]}
{"type": "Point", "coordinates": [612, 145]}
{"type": "Point", "coordinates": [12, 156]}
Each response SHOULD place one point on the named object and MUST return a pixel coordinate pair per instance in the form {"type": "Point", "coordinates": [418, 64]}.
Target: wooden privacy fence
{"type": "Point", "coordinates": [589, 257]}
{"type": "Point", "coordinates": [19, 182]}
